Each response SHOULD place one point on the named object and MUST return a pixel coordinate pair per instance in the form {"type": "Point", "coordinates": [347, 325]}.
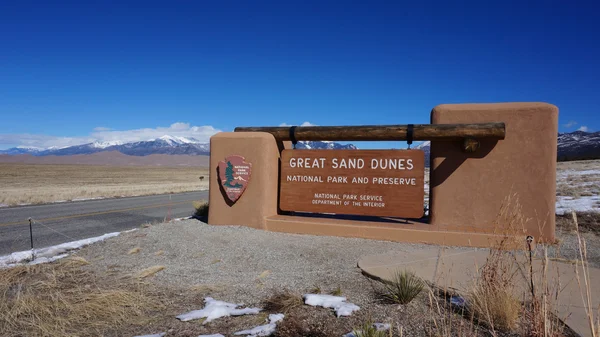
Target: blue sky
{"type": "Point", "coordinates": [76, 71]}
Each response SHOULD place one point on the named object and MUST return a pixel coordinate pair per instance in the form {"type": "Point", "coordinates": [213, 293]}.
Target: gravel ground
{"type": "Point", "coordinates": [568, 247]}
{"type": "Point", "coordinates": [246, 263]}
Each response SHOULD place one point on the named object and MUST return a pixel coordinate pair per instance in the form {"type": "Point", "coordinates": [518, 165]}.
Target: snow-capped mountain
{"type": "Point", "coordinates": [22, 150]}
{"type": "Point", "coordinates": [321, 145]}
{"type": "Point", "coordinates": [425, 147]}
{"type": "Point", "coordinates": [103, 145]}
{"type": "Point", "coordinates": [578, 145]}
{"type": "Point", "coordinates": [162, 145]}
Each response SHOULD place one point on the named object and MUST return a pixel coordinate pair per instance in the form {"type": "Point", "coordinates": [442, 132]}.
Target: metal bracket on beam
{"type": "Point", "coordinates": [470, 145]}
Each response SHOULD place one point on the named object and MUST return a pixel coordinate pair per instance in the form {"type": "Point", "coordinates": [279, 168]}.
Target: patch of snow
{"type": "Point", "coordinates": [49, 254]}
{"type": "Point", "coordinates": [43, 259]}
{"type": "Point", "coordinates": [3, 205]}
{"type": "Point", "coordinates": [338, 303]}
{"type": "Point", "coordinates": [377, 326]}
{"type": "Point", "coordinates": [85, 199]}
{"type": "Point", "coordinates": [171, 140]}
{"type": "Point", "coordinates": [155, 335]}
{"type": "Point", "coordinates": [214, 335]}
{"type": "Point", "coordinates": [32, 148]}
{"type": "Point", "coordinates": [566, 173]}
{"type": "Point", "coordinates": [263, 330]}
{"type": "Point", "coordinates": [581, 204]}
{"type": "Point", "coordinates": [103, 145]}
{"type": "Point", "coordinates": [215, 309]}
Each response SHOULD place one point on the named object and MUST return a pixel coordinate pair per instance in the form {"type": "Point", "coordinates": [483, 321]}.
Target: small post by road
{"type": "Point", "coordinates": [31, 232]}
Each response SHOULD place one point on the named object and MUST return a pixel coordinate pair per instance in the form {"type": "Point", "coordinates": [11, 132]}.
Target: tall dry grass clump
{"type": "Point", "coordinates": [63, 299]}
{"type": "Point", "coordinates": [586, 284]}
{"type": "Point", "coordinates": [494, 297]}
{"type": "Point", "coordinates": [448, 320]}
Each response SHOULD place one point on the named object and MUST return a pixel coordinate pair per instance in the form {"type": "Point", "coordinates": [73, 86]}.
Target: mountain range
{"type": "Point", "coordinates": [576, 145]}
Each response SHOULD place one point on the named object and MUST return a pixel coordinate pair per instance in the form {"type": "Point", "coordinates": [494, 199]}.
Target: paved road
{"type": "Point", "coordinates": [64, 222]}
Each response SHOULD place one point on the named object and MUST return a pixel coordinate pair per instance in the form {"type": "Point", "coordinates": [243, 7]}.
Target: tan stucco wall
{"type": "Point", "coordinates": [467, 191]}
{"type": "Point", "coordinates": [260, 197]}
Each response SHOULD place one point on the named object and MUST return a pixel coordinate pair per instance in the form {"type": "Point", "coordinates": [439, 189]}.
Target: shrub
{"type": "Point", "coordinates": [403, 288]}
{"type": "Point", "coordinates": [493, 298]}
{"type": "Point", "coordinates": [337, 291]}
{"type": "Point", "coordinates": [201, 209]}
{"type": "Point", "coordinates": [315, 290]}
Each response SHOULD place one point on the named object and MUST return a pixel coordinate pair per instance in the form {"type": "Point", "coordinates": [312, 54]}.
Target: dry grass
{"type": "Point", "coordinates": [585, 286]}
{"type": "Point", "coordinates": [283, 301]}
{"type": "Point", "coordinates": [587, 222]}
{"type": "Point", "coordinates": [62, 299]}
{"type": "Point", "coordinates": [578, 178]}
{"type": "Point", "coordinates": [367, 329]}
{"type": "Point", "coordinates": [578, 165]}
{"type": "Point", "coordinates": [316, 289]}
{"type": "Point", "coordinates": [150, 271]}
{"type": "Point", "coordinates": [569, 190]}
{"type": "Point", "coordinates": [33, 184]}
{"type": "Point", "coordinates": [134, 250]}
{"type": "Point", "coordinates": [295, 327]}
{"type": "Point", "coordinates": [444, 322]}
{"type": "Point", "coordinates": [337, 291]}
{"type": "Point", "coordinates": [492, 298]}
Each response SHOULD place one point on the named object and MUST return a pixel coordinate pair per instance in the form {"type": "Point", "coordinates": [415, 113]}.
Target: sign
{"type": "Point", "coordinates": [234, 175]}
{"type": "Point", "coordinates": [356, 182]}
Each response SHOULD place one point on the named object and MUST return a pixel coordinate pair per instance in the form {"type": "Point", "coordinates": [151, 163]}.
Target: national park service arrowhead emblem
{"type": "Point", "coordinates": [234, 175]}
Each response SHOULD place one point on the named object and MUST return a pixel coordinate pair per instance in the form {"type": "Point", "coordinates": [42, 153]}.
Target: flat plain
{"type": "Point", "coordinates": [35, 183]}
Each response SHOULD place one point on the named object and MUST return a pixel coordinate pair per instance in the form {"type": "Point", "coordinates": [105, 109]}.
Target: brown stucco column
{"type": "Point", "coordinates": [259, 200]}
{"type": "Point", "coordinates": [468, 190]}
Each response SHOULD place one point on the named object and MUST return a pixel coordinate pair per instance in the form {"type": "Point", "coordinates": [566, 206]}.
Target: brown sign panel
{"type": "Point", "coordinates": [357, 182]}
{"type": "Point", "coordinates": [234, 175]}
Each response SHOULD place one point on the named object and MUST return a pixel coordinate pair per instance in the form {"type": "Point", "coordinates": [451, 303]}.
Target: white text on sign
{"type": "Point", "coordinates": [353, 163]}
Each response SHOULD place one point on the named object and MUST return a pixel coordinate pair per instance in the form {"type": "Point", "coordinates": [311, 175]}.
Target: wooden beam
{"type": "Point", "coordinates": [437, 132]}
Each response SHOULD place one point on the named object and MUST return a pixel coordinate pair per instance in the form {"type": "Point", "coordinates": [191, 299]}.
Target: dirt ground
{"type": "Point", "coordinates": [32, 184]}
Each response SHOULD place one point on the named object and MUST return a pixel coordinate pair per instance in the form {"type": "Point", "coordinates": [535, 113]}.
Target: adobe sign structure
{"type": "Point", "coordinates": [482, 156]}
{"type": "Point", "coordinates": [355, 182]}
